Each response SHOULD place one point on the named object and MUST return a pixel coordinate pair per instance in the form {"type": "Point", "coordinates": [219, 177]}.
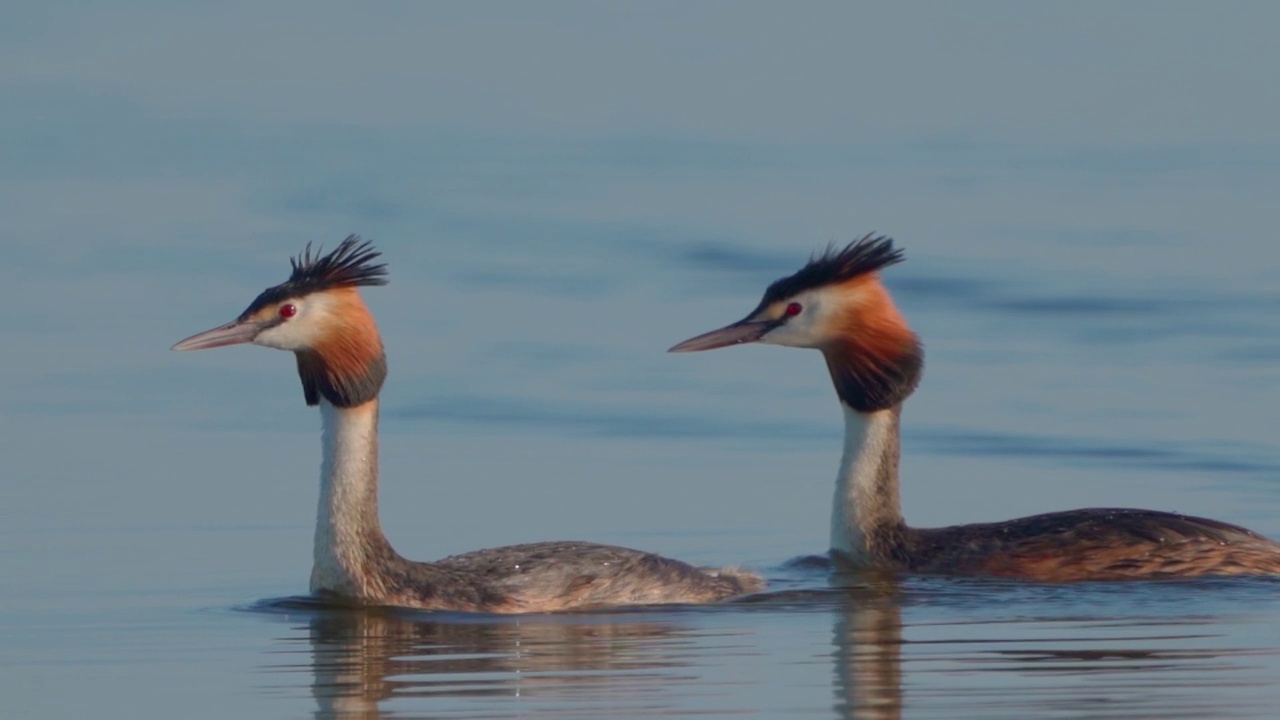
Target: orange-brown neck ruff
{"type": "Point", "coordinates": [348, 365]}
{"type": "Point", "coordinates": [875, 360]}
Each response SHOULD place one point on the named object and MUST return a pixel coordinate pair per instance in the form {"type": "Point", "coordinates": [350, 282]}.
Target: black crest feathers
{"type": "Point", "coordinates": [860, 257]}
{"type": "Point", "coordinates": [348, 265]}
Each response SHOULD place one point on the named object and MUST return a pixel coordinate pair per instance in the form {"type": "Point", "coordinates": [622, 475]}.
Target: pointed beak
{"type": "Point", "coordinates": [235, 332]}
{"type": "Point", "coordinates": [743, 331]}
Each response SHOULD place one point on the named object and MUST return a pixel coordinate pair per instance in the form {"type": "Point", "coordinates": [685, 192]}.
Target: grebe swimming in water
{"type": "Point", "coordinates": [319, 316]}
{"type": "Point", "coordinates": [837, 304]}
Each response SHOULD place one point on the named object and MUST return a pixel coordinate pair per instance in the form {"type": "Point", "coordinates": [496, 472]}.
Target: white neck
{"type": "Point", "coordinates": [348, 535]}
{"type": "Point", "coordinates": [866, 502]}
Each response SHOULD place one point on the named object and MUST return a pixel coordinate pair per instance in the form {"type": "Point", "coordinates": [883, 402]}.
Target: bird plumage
{"type": "Point", "coordinates": [318, 315]}
{"type": "Point", "coordinates": [837, 304]}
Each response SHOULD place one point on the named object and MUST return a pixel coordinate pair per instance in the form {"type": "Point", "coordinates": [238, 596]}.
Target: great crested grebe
{"type": "Point", "coordinates": [837, 304]}
{"type": "Point", "coordinates": [319, 316]}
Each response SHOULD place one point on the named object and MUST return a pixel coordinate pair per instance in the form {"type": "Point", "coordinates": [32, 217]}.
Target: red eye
{"type": "Point", "coordinates": [794, 309]}
{"type": "Point", "coordinates": [288, 310]}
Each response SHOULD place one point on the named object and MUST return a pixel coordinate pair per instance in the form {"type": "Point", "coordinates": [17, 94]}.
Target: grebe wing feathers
{"type": "Point", "coordinates": [1096, 543]}
{"type": "Point", "coordinates": [570, 574]}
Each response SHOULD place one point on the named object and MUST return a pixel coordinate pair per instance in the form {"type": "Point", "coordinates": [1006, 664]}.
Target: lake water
{"type": "Point", "coordinates": [1086, 196]}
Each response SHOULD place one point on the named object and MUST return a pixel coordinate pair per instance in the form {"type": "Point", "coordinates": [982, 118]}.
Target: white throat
{"type": "Point", "coordinates": [866, 499]}
{"type": "Point", "coordinates": [347, 526]}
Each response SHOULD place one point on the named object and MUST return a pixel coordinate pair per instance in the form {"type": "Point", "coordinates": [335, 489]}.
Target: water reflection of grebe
{"type": "Point", "coordinates": [838, 305]}
{"type": "Point", "coordinates": [868, 659]}
{"type": "Point", "coordinates": [365, 659]}
{"type": "Point", "coordinates": [319, 316]}
{"type": "Point", "coordinates": [974, 650]}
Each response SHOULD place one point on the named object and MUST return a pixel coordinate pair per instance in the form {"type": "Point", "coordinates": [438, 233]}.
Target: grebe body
{"type": "Point", "coordinates": [837, 304]}
{"type": "Point", "coordinates": [318, 315]}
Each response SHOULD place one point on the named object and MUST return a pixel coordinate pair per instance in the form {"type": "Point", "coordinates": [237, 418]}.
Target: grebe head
{"type": "Point", "coordinates": [837, 304]}
{"type": "Point", "coordinates": [318, 315]}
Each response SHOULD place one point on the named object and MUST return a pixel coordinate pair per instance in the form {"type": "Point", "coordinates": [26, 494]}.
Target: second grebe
{"type": "Point", "coordinates": [837, 304]}
{"type": "Point", "coordinates": [319, 316]}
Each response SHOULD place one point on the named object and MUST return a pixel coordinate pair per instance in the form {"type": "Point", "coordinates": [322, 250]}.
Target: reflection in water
{"type": "Point", "coordinates": [1141, 651]}
{"type": "Point", "coordinates": [364, 661]}
{"type": "Point", "coordinates": [919, 648]}
{"type": "Point", "coordinates": [868, 659]}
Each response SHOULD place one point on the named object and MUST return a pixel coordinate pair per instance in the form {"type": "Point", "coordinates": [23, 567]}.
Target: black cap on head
{"type": "Point", "coordinates": [349, 265]}
{"type": "Point", "coordinates": [864, 255]}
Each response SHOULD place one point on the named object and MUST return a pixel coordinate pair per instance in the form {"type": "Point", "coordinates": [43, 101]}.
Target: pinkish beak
{"type": "Point", "coordinates": [235, 332]}
{"type": "Point", "coordinates": [743, 331]}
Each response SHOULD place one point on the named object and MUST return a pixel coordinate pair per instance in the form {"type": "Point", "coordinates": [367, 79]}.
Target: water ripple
{"type": "Point", "coordinates": [1235, 458]}
{"type": "Point", "coordinates": [605, 421]}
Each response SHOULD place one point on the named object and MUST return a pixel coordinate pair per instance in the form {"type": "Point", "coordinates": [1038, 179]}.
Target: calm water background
{"type": "Point", "coordinates": [1087, 195]}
